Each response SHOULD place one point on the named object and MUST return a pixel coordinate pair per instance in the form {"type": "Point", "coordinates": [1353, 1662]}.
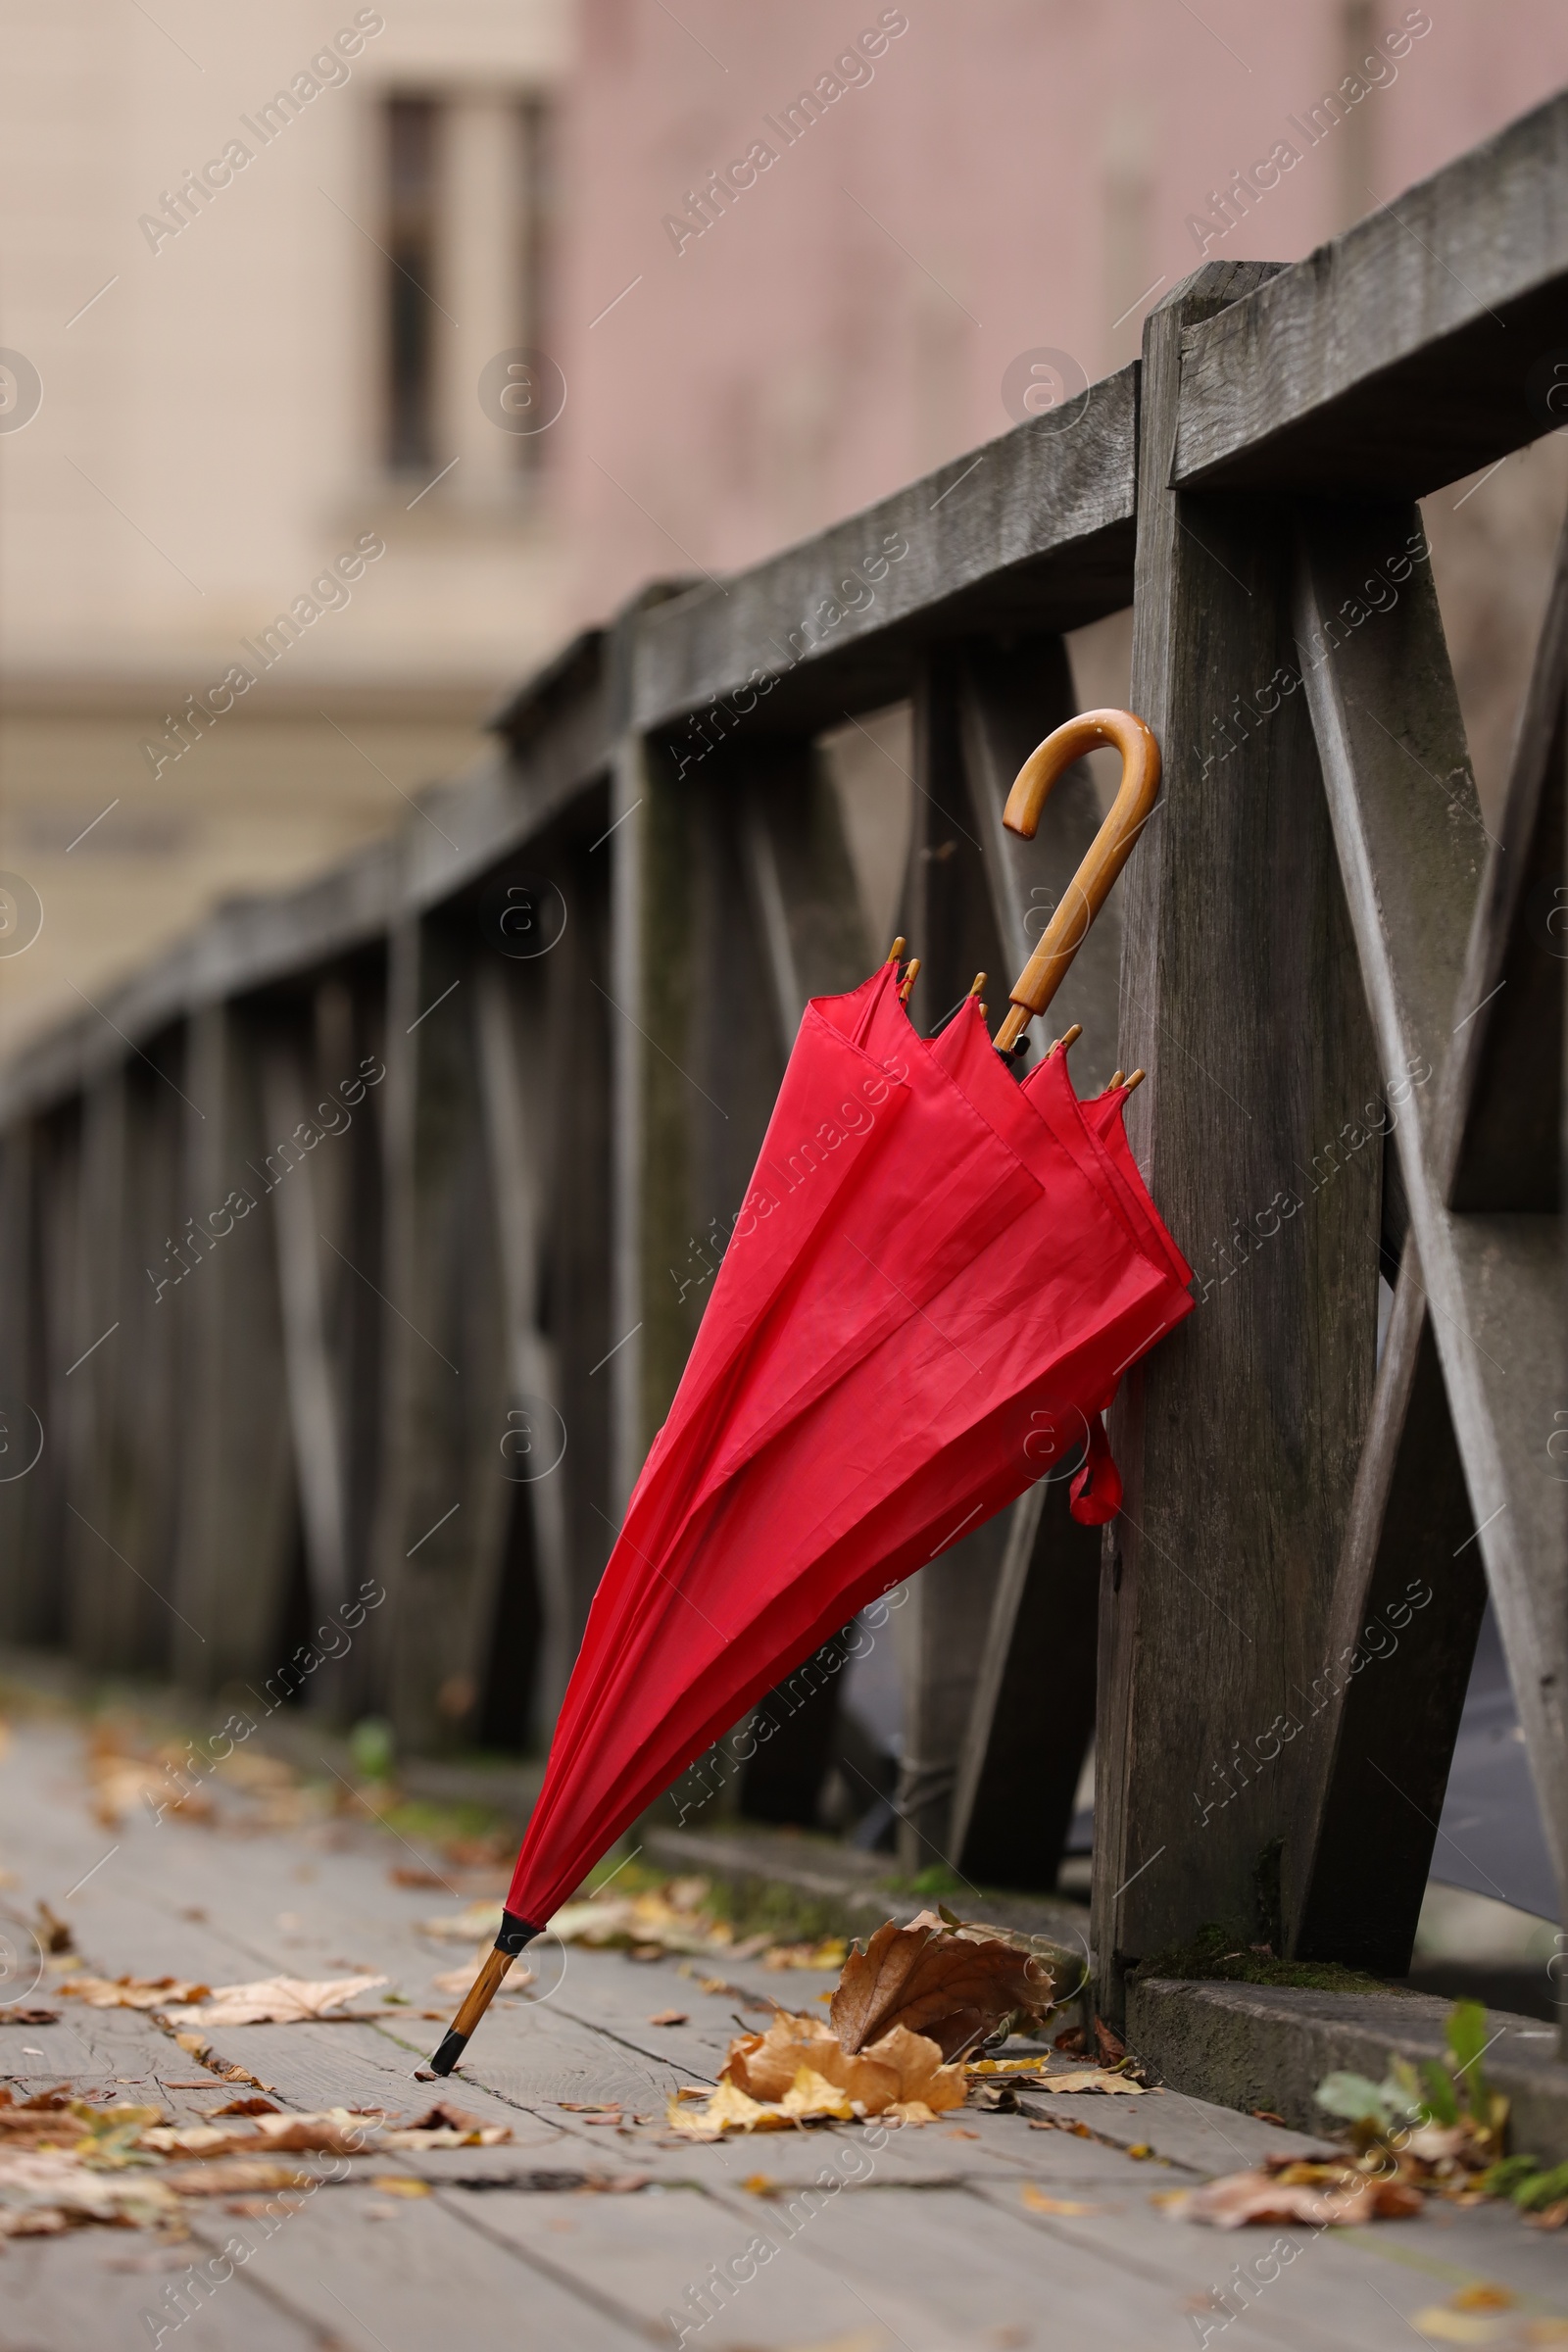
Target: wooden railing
{"type": "Point", "coordinates": [398, 1196]}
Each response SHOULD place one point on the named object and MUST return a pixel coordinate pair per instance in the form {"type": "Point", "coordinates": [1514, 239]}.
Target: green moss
{"type": "Point", "coordinates": [428, 1823]}
{"type": "Point", "coordinates": [1221, 1954]}
{"type": "Point", "coordinates": [937, 1879]}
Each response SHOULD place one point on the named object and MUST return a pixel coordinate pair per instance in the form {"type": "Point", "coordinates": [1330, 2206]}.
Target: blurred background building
{"type": "Point", "coordinates": [782, 260]}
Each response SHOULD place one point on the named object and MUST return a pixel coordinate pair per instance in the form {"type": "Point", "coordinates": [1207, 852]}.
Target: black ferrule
{"type": "Point", "coordinates": [514, 1934]}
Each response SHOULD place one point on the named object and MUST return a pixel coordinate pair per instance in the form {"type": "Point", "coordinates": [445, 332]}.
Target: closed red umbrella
{"type": "Point", "coordinates": [929, 1258]}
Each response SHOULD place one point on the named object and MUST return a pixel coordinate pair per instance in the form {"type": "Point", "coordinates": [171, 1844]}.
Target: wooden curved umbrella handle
{"type": "Point", "coordinates": [1108, 852]}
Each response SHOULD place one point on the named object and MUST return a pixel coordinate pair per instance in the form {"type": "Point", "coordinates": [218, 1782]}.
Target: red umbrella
{"type": "Point", "coordinates": [928, 1261]}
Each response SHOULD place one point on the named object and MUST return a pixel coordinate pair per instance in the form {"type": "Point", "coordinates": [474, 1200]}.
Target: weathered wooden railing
{"type": "Point", "coordinates": [424, 1205]}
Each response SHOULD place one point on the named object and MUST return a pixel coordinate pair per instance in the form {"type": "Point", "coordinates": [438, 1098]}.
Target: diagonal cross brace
{"type": "Point", "coordinates": [1426, 901]}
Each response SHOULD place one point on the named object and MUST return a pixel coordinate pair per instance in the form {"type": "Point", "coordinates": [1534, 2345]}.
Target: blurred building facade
{"type": "Point", "coordinates": [286, 282]}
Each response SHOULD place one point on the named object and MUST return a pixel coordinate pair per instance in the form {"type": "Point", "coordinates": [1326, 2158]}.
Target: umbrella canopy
{"type": "Point", "coordinates": [931, 1267]}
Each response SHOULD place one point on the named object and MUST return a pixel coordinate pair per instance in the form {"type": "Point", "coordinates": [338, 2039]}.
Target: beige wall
{"type": "Point", "coordinates": [211, 436]}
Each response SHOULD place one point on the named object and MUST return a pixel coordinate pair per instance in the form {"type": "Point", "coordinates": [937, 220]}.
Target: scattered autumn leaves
{"type": "Point", "coordinates": [65, 2162]}
{"type": "Point", "coordinates": [269, 2001]}
{"type": "Point", "coordinates": [907, 2007]}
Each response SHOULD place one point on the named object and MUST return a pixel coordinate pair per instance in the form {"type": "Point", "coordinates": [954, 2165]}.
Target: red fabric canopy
{"type": "Point", "coordinates": [936, 1278]}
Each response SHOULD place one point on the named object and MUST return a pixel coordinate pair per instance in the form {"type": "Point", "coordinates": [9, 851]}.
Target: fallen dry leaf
{"type": "Point", "coordinates": [669, 2017]}
{"type": "Point", "coordinates": [1091, 2077]}
{"type": "Point", "coordinates": [899, 2067]}
{"type": "Point", "coordinates": [1338, 2194]}
{"type": "Point", "coordinates": [45, 2190]}
{"type": "Point", "coordinates": [410, 1874]}
{"type": "Point", "coordinates": [812, 2095]}
{"type": "Point", "coordinates": [1445, 2326]}
{"type": "Point", "coordinates": [646, 1926]}
{"type": "Point", "coordinates": [29, 2017]}
{"type": "Point", "coordinates": [865, 2339]}
{"type": "Point", "coordinates": [330, 2132]}
{"type": "Point", "coordinates": [133, 1992]}
{"type": "Point", "coordinates": [456, 1982]}
{"type": "Point", "coordinates": [54, 1934]}
{"type": "Point", "coordinates": [1110, 2046]}
{"type": "Point", "coordinates": [237, 2175]}
{"type": "Point", "coordinates": [797, 2071]}
{"type": "Point", "coordinates": [727, 2109]}
{"type": "Point", "coordinates": [831, 1952]}
{"type": "Point", "coordinates": [952, 1985]}
{"type": "Point", "coordinates": [274, 2002]}
{"type": "Point", "coordinates": [447, 2116]}
{"type": "Point", "coordinates": [399, 2185]}
{"type": "Point", "coordinates": [1037, 2201]}
{"type": "Point", "coordinates": [477, 1921]}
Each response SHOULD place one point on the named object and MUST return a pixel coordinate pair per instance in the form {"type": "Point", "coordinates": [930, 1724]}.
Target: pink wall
{"type": "Point", "coordinates": [1030, 167]}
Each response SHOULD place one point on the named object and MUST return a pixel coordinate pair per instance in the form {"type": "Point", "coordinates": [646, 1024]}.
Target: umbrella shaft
{"type": "Point", "coordinates": [514, 1934]}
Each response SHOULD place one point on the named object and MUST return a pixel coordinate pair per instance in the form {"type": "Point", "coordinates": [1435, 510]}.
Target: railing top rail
{"type": "Point", "coordinates": [1398, 357]}
{"type": "Point", "coordinates": [1036, 525]}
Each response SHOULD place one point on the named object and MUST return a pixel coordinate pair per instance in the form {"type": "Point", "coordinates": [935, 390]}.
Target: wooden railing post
{"type": "Point", "coordinates": [1238, 1439]}
{"type": "Point", "coordinates": [234, 1543]}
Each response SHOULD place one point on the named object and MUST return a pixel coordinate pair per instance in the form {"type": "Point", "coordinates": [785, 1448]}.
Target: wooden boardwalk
{"type": "Point", "coordinates": [978, 2232]}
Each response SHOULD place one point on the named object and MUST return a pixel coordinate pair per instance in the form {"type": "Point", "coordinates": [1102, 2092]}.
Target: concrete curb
{"type": "Point", "coordinates": [849, 1885]}
{"type": "Point", "coordinates": [1262, 2045]}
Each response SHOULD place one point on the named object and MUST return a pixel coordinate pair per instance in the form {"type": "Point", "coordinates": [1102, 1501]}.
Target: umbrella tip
{"type": "Point", "coordinates": [909, 979]}
{"type": "Point", "coordinates": [1137, 1079]}
{"type": "Point", "coordinates": [894, 953]}
{"type": "Point", "coordinates": [977, 984]}
{"type": "Point", "coordinates": [451, 2050]}
{"type": "Point", "coordinates": [1069, 1038]}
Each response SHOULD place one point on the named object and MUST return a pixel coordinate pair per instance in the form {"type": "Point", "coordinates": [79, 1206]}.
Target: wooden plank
{"type": "Point", "coordinates": [805, 907]}
{"type": "Point", "coordinates": [936, 2266]}
{"type": "Point", "coordinates": [801, 883]}
{"type": "Point", "coordinates": [446, 1414]}
{"type": "Point", "coordinates": [575, 1116]}
{"type": "Point", "coordinates": [79, 2293]}
{"type": "Point", "coordinates": [1033, 529]}
{"type": "Point", "coordinates": [1021, 1759]}
{"type": "Point", "coordinates": [1010, 697]}
{"type": "Point", "coordinates": [366, 2278]}
{"type": "Point", "coordinates": [312, 1406]}
{"type": "Point", "coordinates": [101, 1603]}
{"type": "Point", "coordinates": [697, 1065]}
{"type": "Point", "coordinates": [1238, 1439]}
{"type": "Point", "coordinates": [237, 1505]}
{"type": "Point", "coordinates": [22, 1493]}
{"type": "Point", "coordinates": [1412, 882]}
{"type": "Point", "coordinates": [632, 777]}
{"type": "Point", "coordinates": [59, 1180]}
{"type": "Point", "coordinates": [948, 914]}
{"type": "Point", "coordinates": [142, 1392]}
{"type": "Point", "coordinates": [1320, 2291]}
{"type": "Point", "coordinates": [1384, 1714]}
{"type": "Point", "coordinates": [1397, 357]}
{"type": "Point", "coordinates": [1498, 1128]}
{"type": "Point", "coordinates": [1033, 1712]}
{"type": "Point", "coordinates": [514, 1094]}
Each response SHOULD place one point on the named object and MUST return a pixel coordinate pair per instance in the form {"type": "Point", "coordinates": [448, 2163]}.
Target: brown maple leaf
{"type": "Point", "coordinates": [952, 1985]}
